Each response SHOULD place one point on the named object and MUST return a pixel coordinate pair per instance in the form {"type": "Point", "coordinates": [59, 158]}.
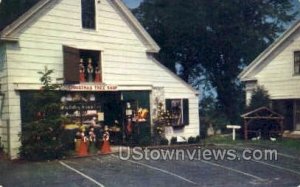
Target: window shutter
{"type": "Point", "coordinates": [71, 65]}
{"type": "Point", "coordinates": [185, 111]}
{"type": "Point", "coordinates": [168, 104]}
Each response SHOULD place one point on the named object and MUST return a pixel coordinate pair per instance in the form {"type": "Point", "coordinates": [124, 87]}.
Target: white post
{"type": "Point", "coordinates": [233, 127]}
{"type": "Point", "coordinates": [233, 134]}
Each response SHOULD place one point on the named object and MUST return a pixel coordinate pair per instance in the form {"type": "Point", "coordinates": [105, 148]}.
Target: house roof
{"type": "Point", "coordinates": [9, 32]}
{"type": "Point", "coordinates": [262, 113]}
{"type": "Point", "coordinates": [196, 92]}
{"type": "Point", "coordinates": [247, 73]}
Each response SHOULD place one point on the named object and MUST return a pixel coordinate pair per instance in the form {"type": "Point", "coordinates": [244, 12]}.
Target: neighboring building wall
{"type": "Point", "coordinates": [2, 61]}
{"type": "Point", "coordinates": [4, 102]}
{"type": "Point", "coordinates": [278, 75]}
{"type": "Point", "coordinates": [125, 61]}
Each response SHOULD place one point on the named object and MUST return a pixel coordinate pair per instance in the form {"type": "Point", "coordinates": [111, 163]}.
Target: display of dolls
{"type": "Point", "coordinates": [81, 71]}
{"type": "Point", "coordinates": [98, 77]}
{"type": "Point", "coordinates": [105, 149]}
{"type": "Point", "coordinates": [90, 71]}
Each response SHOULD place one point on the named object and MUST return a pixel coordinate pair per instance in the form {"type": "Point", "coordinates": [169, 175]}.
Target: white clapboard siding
{"type": "Point", "coordinates": [124, 62]}
{"type": "Point", "coordinates": [278, 75]}
{"type": "Point", "coordinates": [5, 109]}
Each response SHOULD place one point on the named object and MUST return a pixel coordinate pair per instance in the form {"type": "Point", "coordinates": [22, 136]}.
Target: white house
{"type": "Point", "coordinates": [99, 50]}
{"type": "Point", "coordinates": [277, 69]}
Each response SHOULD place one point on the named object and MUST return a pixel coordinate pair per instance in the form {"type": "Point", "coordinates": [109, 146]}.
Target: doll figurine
{"type": "Point", "coordinates": [81, 71]}
{"type": "Point", "coordinates": [90, 70]}
{"type": "Point", "coordinates": [83, 147]}
{"type": "Point", "coordinates": [105, 149]}
{"type": "Point", "coordinates": [98, 77]}
{"type": "Point", "coordinates": [94, 122]}
{"type": "Point", "coordinates": [92, 141]}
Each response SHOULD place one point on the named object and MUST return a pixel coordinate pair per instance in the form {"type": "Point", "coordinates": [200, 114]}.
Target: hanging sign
{"type": "Point", "coordinates": [80, 87]}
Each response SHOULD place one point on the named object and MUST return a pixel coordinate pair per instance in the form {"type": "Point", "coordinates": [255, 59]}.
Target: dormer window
{"type": "Point", "coordinates": [88, 14]}
{"type": "Point", "coordinates": [297, 62]}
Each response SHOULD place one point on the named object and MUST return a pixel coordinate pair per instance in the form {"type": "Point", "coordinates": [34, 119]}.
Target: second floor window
{"type": "Point", "coordinates": [88, 14]}
{"type": "Point", "coordinates": [297, 62]}
{"type": "Point", "coordinates": [82, 66]}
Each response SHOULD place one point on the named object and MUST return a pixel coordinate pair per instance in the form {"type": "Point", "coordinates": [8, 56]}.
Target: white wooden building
{"type": "Point", "coordinates": [51, 30]}
{"type": "Point", "coordinates": [277, 69]}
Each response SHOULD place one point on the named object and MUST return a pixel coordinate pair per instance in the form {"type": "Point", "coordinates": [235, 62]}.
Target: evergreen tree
{"type": "Point", "coordinates": [259, 98]}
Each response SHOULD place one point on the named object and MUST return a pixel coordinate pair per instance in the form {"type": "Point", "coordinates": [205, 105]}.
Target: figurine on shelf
{"type": "Point", "coordinates": [83, 147]}
{"type": "Point", "coordinates": [93, 122]}
{"type": "Point", "coordinates": [105, 149]}
{"type": "Point", "coordinates": [98, 77]}
{"type": "Point", "coordinates": [81, 71]}
{"type": "Point", "coordinates": [92, 97]}
{"type": "Point", "coordinates": [128, 113]}
{"type": "Point", "coordinates": [90, 70]}
{"type": "Point", "coordinates": [92, 141]}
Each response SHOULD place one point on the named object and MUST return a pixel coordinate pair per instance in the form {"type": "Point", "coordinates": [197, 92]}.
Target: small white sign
{"type": "Point", "coordinates": [233, 127]}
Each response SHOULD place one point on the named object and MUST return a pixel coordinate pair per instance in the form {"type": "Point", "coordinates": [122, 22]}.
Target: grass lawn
{"type": "Point", "coordinates": [291, 144]}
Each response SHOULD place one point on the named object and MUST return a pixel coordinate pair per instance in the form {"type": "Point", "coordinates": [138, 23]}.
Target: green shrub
{"type": "Point", "coordinates": [173, 140]}
{"type": "Point", "coordinates": [259, 98]}
{"type": "Point", "coordinates": [164, 141]}
{"type": "Point", "coordinates": [191, 140]}
{"type": "Point", "coordinates": [198, 139]}
{"type": "Point", "coordinates": [41, 140]}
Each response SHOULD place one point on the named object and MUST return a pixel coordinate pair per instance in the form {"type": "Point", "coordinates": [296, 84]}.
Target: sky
{"type": "Point", "coordinates": [131, 3]}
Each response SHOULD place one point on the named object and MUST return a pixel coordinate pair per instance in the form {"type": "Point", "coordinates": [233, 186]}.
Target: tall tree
{"type": "Point", "coordinates": [214, 39]}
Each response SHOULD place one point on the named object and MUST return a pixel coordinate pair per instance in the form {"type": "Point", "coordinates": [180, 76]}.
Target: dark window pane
{"type": "Point", "coordinates": [88, 14]}
{"type": "Point", "coordinates": [297, 62]}
{"type": "Point", "coordinates": [179, 111]}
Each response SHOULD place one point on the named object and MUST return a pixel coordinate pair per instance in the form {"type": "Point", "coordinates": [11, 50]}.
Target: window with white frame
{"type": "Point", "coordinates": [179, 111]}
{"type": "Point", "coordinates": [297, 62]}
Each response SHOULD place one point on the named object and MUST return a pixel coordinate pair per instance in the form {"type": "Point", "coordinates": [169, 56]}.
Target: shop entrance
{"type": "Point", "coordinates": [126, 114]}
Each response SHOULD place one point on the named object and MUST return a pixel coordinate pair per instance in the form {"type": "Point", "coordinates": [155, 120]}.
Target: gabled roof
{"type": "Point", "coordinates": [262, 113]}
{"type": "Point", "coordinates": [245, 75]}
{"type": "Point", "coordinates": [9, 32]}
{"type": "Point", "coordinates": [196, 92]}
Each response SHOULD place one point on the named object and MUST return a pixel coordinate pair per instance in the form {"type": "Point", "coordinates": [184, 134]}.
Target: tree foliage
{"type": "Point", "coordinates": [214, 39]}
{"type": "Point", "coordinates": [42, 132]}
{"type": "Point", "coordinates": [12, 9]}
{"type": "Point", "coordinates": [259, 98]}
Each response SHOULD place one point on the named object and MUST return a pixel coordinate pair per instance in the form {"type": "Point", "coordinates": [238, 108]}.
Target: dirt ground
{"type": "Point", "coordinates": [110, 170]}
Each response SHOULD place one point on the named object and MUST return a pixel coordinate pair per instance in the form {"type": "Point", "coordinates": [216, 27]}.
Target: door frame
{"type": "Point", "coordinates": [296, 127]}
